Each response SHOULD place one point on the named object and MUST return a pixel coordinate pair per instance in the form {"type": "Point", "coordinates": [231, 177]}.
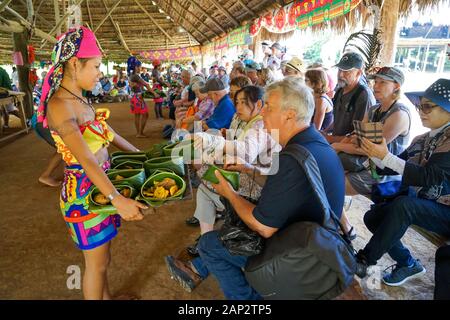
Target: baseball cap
{"type": "Point", "coordinates": [276, 45]}
{"type": "Point", "coordinates": [389, 73]}
{"type": "Point", "coordinates": [252, 66]}
{"type": "Point", "coordinates": [213, 84]}
{"type": "Point", "coordinates": [350, 60]}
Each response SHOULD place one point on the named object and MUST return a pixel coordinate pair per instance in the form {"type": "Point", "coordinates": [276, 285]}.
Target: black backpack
{"type": "Point", "coordinates": [305, 260]}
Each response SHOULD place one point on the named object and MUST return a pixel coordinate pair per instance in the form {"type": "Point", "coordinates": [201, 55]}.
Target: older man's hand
{"type": "Point", "coordinates": [223, 188]}
{"type": "Point", "coordinates": [238, 164]}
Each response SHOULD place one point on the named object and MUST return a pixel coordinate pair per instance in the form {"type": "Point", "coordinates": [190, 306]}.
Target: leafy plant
{"type": "Point", "coordinates": [367, 44]}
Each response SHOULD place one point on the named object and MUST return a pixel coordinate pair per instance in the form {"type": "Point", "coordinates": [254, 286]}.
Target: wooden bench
{"type": "Point", "coordinates": [17, 99]}
{"type": "Point", "coordinates": [432, 237]}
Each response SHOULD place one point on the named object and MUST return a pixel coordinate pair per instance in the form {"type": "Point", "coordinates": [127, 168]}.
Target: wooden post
{"type": "Point", "coordinates": [20, 45]}
{"type": "Point", "coordinates": [388, 24]}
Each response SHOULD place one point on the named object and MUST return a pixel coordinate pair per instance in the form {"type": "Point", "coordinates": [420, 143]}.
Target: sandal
{"type": "Point", "coordinates": [352, 234]}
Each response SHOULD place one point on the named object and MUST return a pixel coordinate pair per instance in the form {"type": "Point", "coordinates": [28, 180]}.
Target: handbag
{"type": "Point", "coordinates": [235, 235]}
{"type": "Point", "coordinates": [387, 191]}
{"type": "Point", "coordinates": [306, 260]}
{"type": "Point", "coordinates": [352, 162]}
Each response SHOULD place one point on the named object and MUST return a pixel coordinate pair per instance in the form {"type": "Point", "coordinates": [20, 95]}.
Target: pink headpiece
{"type": "Point", "coordinates": [80, 43]}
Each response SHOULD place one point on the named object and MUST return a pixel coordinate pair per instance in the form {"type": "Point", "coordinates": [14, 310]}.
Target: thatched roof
{"type": "Point", "coordinates": [137, 25]}
{"type": "Point", "coordinates": [144, 24]}
{"type": "Point", "coordinates": [362, 13]}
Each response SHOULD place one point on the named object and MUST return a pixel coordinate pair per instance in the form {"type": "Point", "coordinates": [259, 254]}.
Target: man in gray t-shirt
{"type": "Point", "coordinates": [353, 99]}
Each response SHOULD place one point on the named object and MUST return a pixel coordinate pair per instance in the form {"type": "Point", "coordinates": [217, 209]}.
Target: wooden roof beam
{"type": "Point", "coordinates": [40, 17]}
{"type": "Point", "coordinates": [225, 12]}
{"type": "Point", "coordinates": [57, 14]}
{"type": "Point", "coordinates": [117, 28]}
{"type": "Point", "coordinates": [108, 14]}
{"type": "Point", "coordinates": [64, 17]}
{"type": "Point", "coordinates": [4, 4]}
{"type": "Point", "coordinates": [154, 21]}
{"type": "Point", "coordinates": [186, 20]}
{"type": "Point", "coordinates": [243, 5]}
{"type": "Point", "coordinates": [208, 16]}
{"type": "Point", "coordinates": [198, 20]}
{"type": "Point", "coordinates": [89, 13]}
{"type": "Point", "coordinates": [13, 26]}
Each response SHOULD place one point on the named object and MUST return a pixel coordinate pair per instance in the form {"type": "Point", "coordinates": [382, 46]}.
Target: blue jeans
{"type": "Point", "coordinates": [389, 222]}
{"type": "Point", "coordinates": [227, 268]}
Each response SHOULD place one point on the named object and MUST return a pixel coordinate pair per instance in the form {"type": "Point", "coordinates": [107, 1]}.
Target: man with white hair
{"type": "Point", "coordinates": [224, 108]}
{"type": "Point", "coordinates": [353, 98]}
{"type": "Point", "coordinates": [287, 196]}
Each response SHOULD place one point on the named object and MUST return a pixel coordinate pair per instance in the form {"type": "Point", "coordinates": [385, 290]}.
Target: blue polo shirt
{"type": "Point", "coordinates": [287, 196]}
{"type": "Point", "coordinates": [223, 114]}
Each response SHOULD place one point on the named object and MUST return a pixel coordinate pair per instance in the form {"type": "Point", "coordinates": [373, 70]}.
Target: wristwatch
{"type": "Point", "coordinates": [112, 195]}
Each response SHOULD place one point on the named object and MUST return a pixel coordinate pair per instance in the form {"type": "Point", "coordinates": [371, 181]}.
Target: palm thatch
{"type": "Point", "coordinates": [368, 44]}
{"type": "Point", "coordinates": [137, 25]}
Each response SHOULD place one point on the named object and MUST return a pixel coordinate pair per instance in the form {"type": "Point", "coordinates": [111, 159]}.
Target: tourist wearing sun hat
{"type": "Point", "coordinates": [294, 67]}
{"type": "Point", "coordinates": [424, 194]}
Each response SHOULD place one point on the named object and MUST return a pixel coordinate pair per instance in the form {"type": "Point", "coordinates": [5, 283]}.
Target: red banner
{"type": "Point", "coordinates": [301, 14]}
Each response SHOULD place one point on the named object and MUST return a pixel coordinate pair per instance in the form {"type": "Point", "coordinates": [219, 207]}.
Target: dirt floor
{"type": "Point", "coordinates": [36, 251]}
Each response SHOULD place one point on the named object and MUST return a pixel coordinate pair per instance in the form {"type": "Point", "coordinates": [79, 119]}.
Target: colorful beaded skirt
{"type": "Point", "coordinates": [138, 105]}
{"type": "Point", "coordinates": [87, 229]}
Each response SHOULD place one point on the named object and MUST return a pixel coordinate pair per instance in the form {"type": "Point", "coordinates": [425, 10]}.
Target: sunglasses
{"type": "Point", "coordinates": [426, 108]}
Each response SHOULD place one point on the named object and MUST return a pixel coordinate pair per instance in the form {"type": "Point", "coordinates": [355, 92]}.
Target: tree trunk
{"type": "Point", "coordinates": [388, 25]}
{"type": "Point", "coordinates": [20, 44]}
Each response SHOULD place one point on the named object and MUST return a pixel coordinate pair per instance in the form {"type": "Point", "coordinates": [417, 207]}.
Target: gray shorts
{"type": "Point", "coordinates": [361, 181]}
{"type": "Point", "coordinates": [207, 204]}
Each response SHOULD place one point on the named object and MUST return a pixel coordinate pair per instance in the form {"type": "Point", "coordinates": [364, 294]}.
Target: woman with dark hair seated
{"type": "Point", "coordinates": [423, 198]}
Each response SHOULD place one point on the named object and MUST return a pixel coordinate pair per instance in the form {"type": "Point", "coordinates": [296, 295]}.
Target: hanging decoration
{"type": "Point", "coordinates": [302, 14]}
{"type": "Point", "coordinates": [172, 54]}
{"type": "Point", "coordinates": [17, 58]}
{"type": "Point", "coordinates": [31, 54]}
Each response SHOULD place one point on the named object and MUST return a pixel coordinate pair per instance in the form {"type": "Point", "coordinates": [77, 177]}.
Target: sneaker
{"type": "Point", "coordinates": [182, 272]}
{"type": "Point", "coordinates": [361, 265]}
{"type": "Point", "coordinates": [399, 275]}
{"type": "Point", "coordinates": [193, 222]}
{"type": "Point", "coordinates": [193, 248]}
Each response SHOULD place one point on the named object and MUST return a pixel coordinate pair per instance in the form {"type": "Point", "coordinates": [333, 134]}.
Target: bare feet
{"type": "Point", "coordinates": [141, 136]}
{"type": "Point", "coordinates": [49, 181]}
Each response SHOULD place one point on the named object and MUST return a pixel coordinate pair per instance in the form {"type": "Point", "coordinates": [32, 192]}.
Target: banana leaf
{"type": "Point", "coordinates": [108, 208]}
{"type": "Point", "coordinates": [156, 150]}
{"type": "Point", "coordinates": [159, 176]}
{"type": "Point", "coordinates": [149, 95]}
{"type": "Point", "coordinates": [231, 176]}
{"type": "Point", "coordinates": [115, 161]}
{"type": "Point", "coordinates": [126, 153]}
{"type": "Point", "coordinates": [129, 164]}
{"type": "Point", "coordinates": [173, 163]}
{"type": "Point", "coordinates": [132, 177]}
{"type": "Point", "coordinates": [183, 149]}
